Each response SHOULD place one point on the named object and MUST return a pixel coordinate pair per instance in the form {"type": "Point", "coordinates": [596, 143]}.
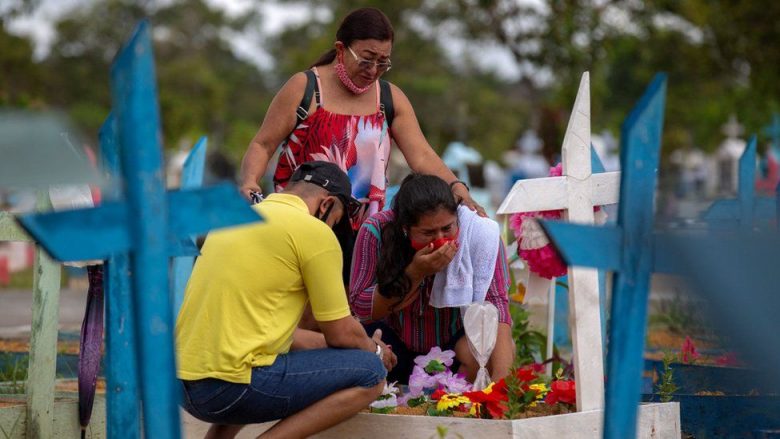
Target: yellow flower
{"type": "Point", "coordinates": [520, 294]}
{"type": "Point", "coordinates": [541, 389]}
{"type": "Point", "coordinates": [488, 389]}
{"type": "Point", "coordinates": [450, 401]}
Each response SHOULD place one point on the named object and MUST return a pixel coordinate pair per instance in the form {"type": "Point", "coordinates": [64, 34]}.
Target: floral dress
{"type": "Point", "coordinates": [360, 145]}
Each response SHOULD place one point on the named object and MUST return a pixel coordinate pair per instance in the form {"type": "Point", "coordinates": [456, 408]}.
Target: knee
{"type": "Point", "coordinates": [373, 371]}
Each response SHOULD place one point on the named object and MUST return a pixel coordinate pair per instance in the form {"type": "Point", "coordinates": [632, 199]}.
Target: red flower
{"type": "Point", "coordinates": [526, 374]}
{"type": "Point", "coordinates": [494, 400]}
{"type": "Point", "coordinates": [438, 394]}
{"type": "Point", "coordinates": [562, 391]}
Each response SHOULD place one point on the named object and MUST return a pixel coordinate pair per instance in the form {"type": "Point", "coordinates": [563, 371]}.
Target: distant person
{"type": "Point", "coordinates": [342, 112]}
{"type": "Point", "coordinates": [241, 357]}
{"type": "Point", "coordinates": [398, 254]}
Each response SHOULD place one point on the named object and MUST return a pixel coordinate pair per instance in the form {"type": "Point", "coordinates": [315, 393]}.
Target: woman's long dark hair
{"type": "Point", "coordinates": [419, 195]}
{"type": "Point", "coordinates": [360, 24]}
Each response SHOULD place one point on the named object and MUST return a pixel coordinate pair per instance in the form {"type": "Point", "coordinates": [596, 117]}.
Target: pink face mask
{"type": "Point", "coordinates": [341, 72]}
{"type": "Point", "coordinates": [437, 243]}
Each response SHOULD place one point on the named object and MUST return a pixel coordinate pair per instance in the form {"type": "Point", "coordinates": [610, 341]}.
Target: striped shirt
{"type": "Point", "coordinates": [419, 325]}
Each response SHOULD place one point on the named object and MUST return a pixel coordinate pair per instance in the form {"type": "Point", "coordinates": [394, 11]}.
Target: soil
{"type": "Point", "coordinates": [11, 402]}
{"type": "Point", "coordinates": [532, 412]}
{"type": "Point", "coordinates": [73, 386]}
{"type": "Point", "coordinates": [63, 346]}
{"type": "Point", "coordinates": [665, 339]}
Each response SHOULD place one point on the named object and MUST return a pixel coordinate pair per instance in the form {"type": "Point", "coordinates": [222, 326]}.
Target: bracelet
{"type": "Point", "coordinates": [378, 350]}
{"type": "Point", "coordinates": [452, 185]}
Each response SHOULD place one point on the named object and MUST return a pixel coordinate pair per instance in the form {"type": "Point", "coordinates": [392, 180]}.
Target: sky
{"type": "Point", "coordinates": [248, 46]}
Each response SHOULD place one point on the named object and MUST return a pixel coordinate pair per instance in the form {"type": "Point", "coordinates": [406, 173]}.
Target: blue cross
{"type": "Point", "coordinates": [147, 224]}
{"type": "Point", "coordinates": [746, 208]}
{"type": "Point", "coordinates": [627, 250]}
{"type": "Point", "coordinates": [191, 178]}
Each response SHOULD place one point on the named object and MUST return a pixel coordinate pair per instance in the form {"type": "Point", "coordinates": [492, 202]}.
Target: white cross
{"type": "Point", "coordinates": [576, 191]}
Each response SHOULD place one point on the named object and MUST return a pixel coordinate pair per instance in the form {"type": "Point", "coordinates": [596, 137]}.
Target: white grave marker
{"type": "Point", "coordinates": [577, 191]}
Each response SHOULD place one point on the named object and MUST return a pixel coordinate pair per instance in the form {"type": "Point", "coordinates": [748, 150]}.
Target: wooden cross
{"type": "Point", "coordinates": [191, 178]}
{"type": "Point", "coordinates": [576, 191]}
{"type": "Point", "coordinates": [144, 226]}
{"type": "Point", "coordinates": [631, 251]}
{"type": "Point", "coordinates": [747, 207]}
{"type": "Point", "coordinates": [122, 410]}
{"type": "Point", "coordinates": [42, 364]}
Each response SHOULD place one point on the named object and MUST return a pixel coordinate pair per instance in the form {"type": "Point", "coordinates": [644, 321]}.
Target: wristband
{"type": "Point", "coordinates": [452, 185]}
{"type": "Point", "coordinates": [378, 350]}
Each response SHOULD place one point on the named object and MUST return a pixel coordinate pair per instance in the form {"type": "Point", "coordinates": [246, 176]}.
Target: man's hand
{"type": "Point", "coordinates": [388, 357]}
{"type": "Point", "coordinates": [247, 188]}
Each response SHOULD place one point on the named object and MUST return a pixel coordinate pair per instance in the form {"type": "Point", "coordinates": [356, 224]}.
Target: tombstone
{"type": "Point", "coordinates": [747, 210]}
{"type": "Point", "coordinates": [728, 155]}
{"type": "Point", "coordinates": [773, 131]}
{"type": "Point", "coordinates": [577, 191]}
{"type": "Point", "coordinates": [142, 225]}
{"type": "Point", "coordinates": [526, 160]}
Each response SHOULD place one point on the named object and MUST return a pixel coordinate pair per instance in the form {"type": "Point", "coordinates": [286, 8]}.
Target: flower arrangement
{"type": "Point", "coordinates": [533, 246]}
{"type": "Point", "coordinates": [436, 391]}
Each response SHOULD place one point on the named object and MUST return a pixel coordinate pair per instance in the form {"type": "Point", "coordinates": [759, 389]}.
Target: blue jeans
{"type": "Point", "coordinates": [293, 382]}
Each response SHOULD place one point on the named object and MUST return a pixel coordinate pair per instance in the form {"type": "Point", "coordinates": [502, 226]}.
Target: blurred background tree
{"type": "Point", "coordinates": [720, 56]}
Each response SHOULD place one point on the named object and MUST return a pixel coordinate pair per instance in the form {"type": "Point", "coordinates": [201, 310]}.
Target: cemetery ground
{"type": "Point", "coordinates": [675, 314]}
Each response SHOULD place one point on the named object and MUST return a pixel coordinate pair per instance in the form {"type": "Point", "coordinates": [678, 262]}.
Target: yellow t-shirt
{"type": "Point", "coordinates": [249, 288]}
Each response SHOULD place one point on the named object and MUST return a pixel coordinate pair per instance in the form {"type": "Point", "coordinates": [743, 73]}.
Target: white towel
{"type": "Point", "coordinates": [467, 278]}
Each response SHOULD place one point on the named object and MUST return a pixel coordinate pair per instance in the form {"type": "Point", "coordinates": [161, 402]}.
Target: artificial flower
{"type": "Point", "coordinates": [453, 382]}
{"type": "Point", "coordinates": [533, 245]}
{"type": "Point", "coordinates": [493, 398]}
{"type": "Point", "coordinates": [450, 401]}
{"type": "Point", "coordinates": [435, 360]}
{"type": "Point", "coordinates": [438, 393]}
{"type": "Point", "coordinates": [419, 380]}
{"type": "Point", "coordinates": [562, 391]}
{"type": "Point", "coordinates": [527, 374]}
{"type": "Point", "coordinates": [689, 353]}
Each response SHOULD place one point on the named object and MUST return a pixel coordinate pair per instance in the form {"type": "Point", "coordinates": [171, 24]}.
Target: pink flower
{"type": "Point", "coordinates": [420, 380]}
{"type": "Point", "coordinates": [436, 356]}
{"type": "Point", "coordinates": [453, 383]}
{"type": "Point", "coordinates": [728, 359]}
{"type": "Point", "coordinates": [689, 353]}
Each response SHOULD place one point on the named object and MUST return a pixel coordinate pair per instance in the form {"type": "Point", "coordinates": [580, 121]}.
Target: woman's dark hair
{"type": "Point", "coordinates": [360, 24]}
{"type": "Point", "coordinates": [419, 195]}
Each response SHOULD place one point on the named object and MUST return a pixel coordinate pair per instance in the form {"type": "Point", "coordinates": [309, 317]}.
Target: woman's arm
{"type": "Point", "coordinates": [418, 152]}
{"type": "Point", "coordinates": [279, 121]}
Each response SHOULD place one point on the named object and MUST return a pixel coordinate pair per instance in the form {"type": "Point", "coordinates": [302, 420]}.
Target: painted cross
{"type": "Point", "coordinates": [41, 371]}
{"type": "Point", "coordinates": [144, 225]}
{"type": "Point", "coordinates": [576, 191]}
{"type": "Point", "coordinates": [630, 251]}
{"type": "Point", "coordinates": [122, 410]}
{"type": "Point", "coordinates": [747, 207]}
{"type": "Point", "coordinates": [191, 178]}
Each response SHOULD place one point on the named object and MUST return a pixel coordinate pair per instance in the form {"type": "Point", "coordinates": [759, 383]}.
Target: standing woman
{"type": "Point", "coordinates": [349, 121]}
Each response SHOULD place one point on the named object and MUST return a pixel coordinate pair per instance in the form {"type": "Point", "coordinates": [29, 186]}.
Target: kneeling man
{"type": "Point", "coordinates": [241, 357]}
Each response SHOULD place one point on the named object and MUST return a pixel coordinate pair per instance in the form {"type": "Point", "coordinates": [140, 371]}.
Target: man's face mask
{"type": "Point", "coordinates": [324, 216]}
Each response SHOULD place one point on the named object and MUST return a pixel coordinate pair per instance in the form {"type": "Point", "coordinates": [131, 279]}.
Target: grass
{"type": "Point", "coordinates": [13, 373]}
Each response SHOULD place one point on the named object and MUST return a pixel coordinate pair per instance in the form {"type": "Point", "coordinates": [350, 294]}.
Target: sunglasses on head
{"type": "Point", "coordinates": [351, 207]}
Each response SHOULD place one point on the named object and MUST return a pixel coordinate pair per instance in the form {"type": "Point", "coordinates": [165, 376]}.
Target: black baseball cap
{"type": "Point", "coordinates": [330, 177]}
